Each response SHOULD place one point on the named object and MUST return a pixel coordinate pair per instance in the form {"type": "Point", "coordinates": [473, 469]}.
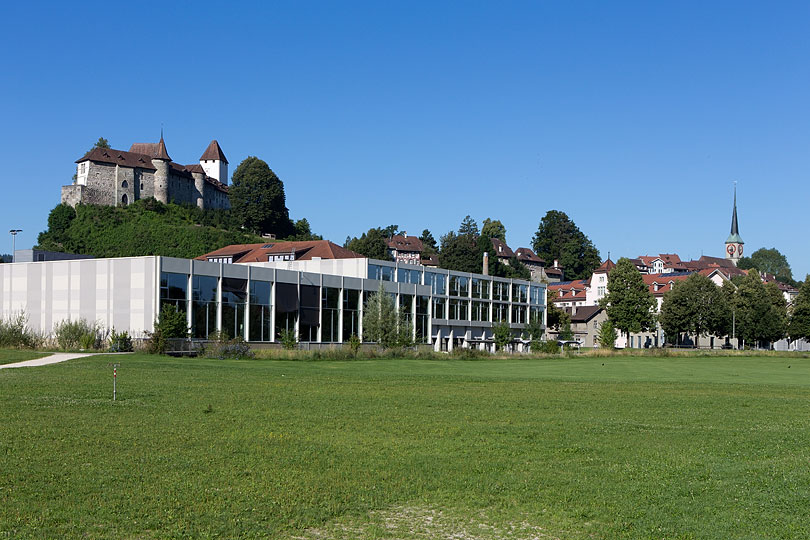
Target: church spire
{"type": "Point", "coordinates": [735, 230]}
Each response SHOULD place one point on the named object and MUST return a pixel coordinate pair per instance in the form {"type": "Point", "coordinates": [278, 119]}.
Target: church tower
{"type": "Point", "coordinates": [734, 243]}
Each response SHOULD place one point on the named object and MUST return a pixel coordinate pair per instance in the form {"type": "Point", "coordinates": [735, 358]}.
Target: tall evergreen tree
{"type": "Point", "coordinates": [493, 229]}
{"type": "Point", "coordinates": [558, 238]}
{"type": "Point", "coordinates": [373, 244]}
{"type": "Point", "coordinates": [628, 302]}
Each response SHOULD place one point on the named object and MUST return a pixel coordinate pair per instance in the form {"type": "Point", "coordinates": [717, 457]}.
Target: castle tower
{"type": "Point", "coordinates": [214, 162]}
{"type": "Point", "coordinates": [734, 243]}
{"type": "Point", "coordinates": [161, 162]}
{"type": "Point", "coordinates": [199, 188]}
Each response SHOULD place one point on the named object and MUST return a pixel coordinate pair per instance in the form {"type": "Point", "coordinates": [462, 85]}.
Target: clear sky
{"type": "Point", "coordinates": [634, 118]}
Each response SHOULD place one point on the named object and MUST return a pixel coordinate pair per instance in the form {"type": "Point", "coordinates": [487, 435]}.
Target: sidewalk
{"type": "Point", "coordinates": [46, 360]}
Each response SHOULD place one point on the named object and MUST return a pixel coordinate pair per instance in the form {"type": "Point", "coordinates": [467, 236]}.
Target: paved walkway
{"type": "Point", "coordinates": [46, 360]}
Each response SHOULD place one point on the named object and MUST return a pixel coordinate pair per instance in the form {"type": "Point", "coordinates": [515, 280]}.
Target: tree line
{"type": "Point", "coordinates": [750, 310]}
{"type": "Point", "coordinates": [557, 238]}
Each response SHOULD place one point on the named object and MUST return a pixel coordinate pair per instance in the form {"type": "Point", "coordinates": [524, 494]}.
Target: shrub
{"type": "Point", "coordinates": [224, 348]}
{"type": "Point", "coordinates": [80, 334]}
{"type": "Point", "coordinates": [545, 347]}
{"type": "Point", "coordinates": [14, 333]}
{"type": "Point", "coordinates": [120, 342]}
{"type": "Point", "coordinates": [170, 324]}
{"type": "Point", "coordinates": [354, 344]}
{"type": "Point", "coordinates": [289, 340]}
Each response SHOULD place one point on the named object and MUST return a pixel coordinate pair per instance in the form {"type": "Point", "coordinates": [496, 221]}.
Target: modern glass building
{"type": "Point", "coordinates": [320, 300]}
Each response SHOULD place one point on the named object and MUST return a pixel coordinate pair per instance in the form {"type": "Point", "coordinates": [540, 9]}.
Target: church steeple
{"type": "Point", "coordinates": [734, 242]}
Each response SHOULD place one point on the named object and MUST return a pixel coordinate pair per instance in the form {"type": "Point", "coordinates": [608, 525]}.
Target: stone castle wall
{"type": "Point", "coordinates": [107, 184]}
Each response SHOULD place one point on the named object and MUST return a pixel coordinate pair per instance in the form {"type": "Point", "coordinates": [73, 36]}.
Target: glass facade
{"type": "Point", "coordinates": [351, 314]}
{"type": "Point", "coordinates": [260, 311]}
{"type": "Point", "coordinates": [330, 312]}
{"type": "Point", "coordinates": [204, 306]}
{"type": "Point", "coordinates": [234, 302]}
{"type": "Point", "coordinates": [174, 291]}
{"type": "Point", "coordinates": [261, 319]}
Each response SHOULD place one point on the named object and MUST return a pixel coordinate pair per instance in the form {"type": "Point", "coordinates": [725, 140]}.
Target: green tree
{"type": "Point", "coordinates": [501, 335]}
{"type": "Point", "coordinates": [101, 143]}
{"type": "Point", "coordinates": [760, 311]}
{"type": "Point", "coordinates": [372, 244]}
{"type": "Point", "coordinates": [628, 302]}
{"type": "Point", "coordinates": [695, 306]}
{"type": "Point", "coordinates": [468, 227]}
{"type": "Point", "coordinates": [59, 221]}
{"type": "Point", "coordinates": [557, 237]}
{"type": "Point", "coordinates": [429, 246]}
{"type": "Point", "coordinates": [607, 335]}
{"type": "Point", "coordinates": [799, 325]}
{"type": "Point", "coordinates": [770, 261]}
{"type": "Point", "coordinates": [556, 318]}
{"type": "Point", "coordinates": [303, 231]}
{"type": "Point", "coordinates": [391, 230]}
{"type": "Point", "coordinates": [258, 200]}
{"type": "Point", "coordinates": [493, 229]}
{"type": "Point", "coordinates": [383, 323]}
{"type": "Point", "coordinates": [460, 252]}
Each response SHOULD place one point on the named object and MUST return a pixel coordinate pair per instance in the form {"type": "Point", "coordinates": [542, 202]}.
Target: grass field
{"type": "Point", "coordinates": [634, 447]}
{"type": "Point", "coordinates": [12, 356]}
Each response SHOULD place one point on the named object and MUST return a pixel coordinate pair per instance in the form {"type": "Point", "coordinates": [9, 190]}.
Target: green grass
{"type": "Point", "coordinates": [10, 356]}
{"type": "Point", "coordinates": [638, 447]}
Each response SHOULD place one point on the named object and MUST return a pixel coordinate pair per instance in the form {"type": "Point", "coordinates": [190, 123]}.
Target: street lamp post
{"type": "Point", "coordinates": [14, 243]}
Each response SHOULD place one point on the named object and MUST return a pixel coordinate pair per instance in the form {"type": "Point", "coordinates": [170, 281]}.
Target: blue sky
{"type": "Point", "coordinates": [634, 118]}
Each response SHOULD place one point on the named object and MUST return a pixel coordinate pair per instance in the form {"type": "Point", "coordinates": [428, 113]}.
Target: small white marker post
{"type": "Point", "coordinates": [115, 377]}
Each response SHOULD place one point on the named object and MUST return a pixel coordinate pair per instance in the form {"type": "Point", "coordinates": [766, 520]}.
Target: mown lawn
{"type": "Point", "coordinates": [548, 448]}
{"type": "Point", "coordinates": [10, 356]}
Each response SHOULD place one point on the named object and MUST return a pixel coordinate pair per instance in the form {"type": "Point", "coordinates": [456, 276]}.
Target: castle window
{"type": "Point", "coordinates": [124, 184]}
{"type": "Point", "coordinates": [124, 199]}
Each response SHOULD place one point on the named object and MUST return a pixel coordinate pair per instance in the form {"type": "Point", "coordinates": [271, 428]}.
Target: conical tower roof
{"type": "Point", "coordinates": [161, 150]}
{"type": "Point", "coordinates": [734, 237]}
{"type": "Point", "coordinates": [214, 152]}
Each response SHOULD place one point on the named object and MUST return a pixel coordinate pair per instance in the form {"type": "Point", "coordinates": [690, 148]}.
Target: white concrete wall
{"type": "Point", "coordinates": [115, 293]}
{"type": "Point", "coordinates": [357, 267]}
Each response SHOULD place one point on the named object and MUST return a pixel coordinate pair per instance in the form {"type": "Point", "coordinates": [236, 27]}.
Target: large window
{"type": "Point", "coordinates": [351, 317]}
{"type": "Point", "coordinates": [330, 304]}
{"type": "Point", "coordinates": [536, 295]}
{"type": "Point", "coordinates": [409, 276]}
{"type": "Point", "coordinates": [459, 286]}
{"type": "Point", "coordinates": [286, 308]}
{"type": "Point", "coordinates": [174, 291]}
{"type": "Point", "coordinates": [260, 314]}
{"type": "Point", "coordinates": [457, 310]}
{"type": "Point", "coordinates": [406, 308]}
{"type": "Point", "coordinates": [422, 307]}
{"type": "Point", "coordinates": [437, 282]}
{"type": "Point", "coordinates": [203, 306]}
{"type": "Point", "coordinates": [500, 291]}
{"type": "Point", "coordinates": [500, 312]}
{"type": "Point", "coordinates": [309, 313]}
{"type": "Point", "coordinates": [518, 314]}
{"type": "Point", "coordinates": [380, 272]}
{"type": "Point", "coordinates": [480, 311]}
{"type": "Point", "coordinates": [234, 299]}
{"type": "Point", "coordinates": [520, 293]}
{"type": "Point", "coordinates": [439, 308]}
{"type": "Point", "coordinates": [480, 288]}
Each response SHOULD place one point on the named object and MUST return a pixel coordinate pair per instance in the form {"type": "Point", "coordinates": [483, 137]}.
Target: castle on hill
{"type": "Point", "coordinates": [115, 177]}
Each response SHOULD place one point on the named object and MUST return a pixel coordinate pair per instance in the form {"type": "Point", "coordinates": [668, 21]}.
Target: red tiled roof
{"type": "Point", "coordinates": [214, 152]}
{"type": "Point", "coordinates": [526, 255]}
{"type": "Point", "coordinates": [605, 267]}
{"type": "Point", "coordinates": [405, 243]}
{"type": "Point", "coordinates": [304, 251]}
{"type": "Point", "coordinates": [501, 249]}
{"type": "Point", "coordinates": [118, 157]}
